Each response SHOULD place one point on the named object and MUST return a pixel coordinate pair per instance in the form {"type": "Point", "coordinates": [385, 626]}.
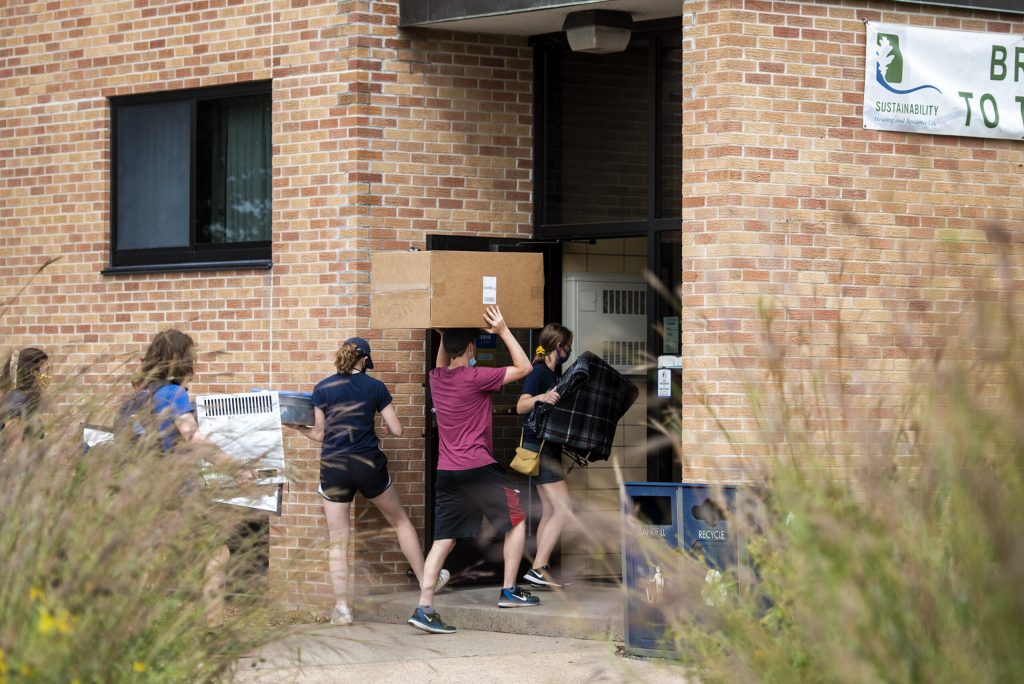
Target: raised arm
{"type": "Point", "coordinates": [443, 360]}
{"type": "Point", "coordinates": [521, 366]}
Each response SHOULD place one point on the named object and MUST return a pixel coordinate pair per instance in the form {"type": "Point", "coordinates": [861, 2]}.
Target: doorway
{"type": "Point", "coordinates": [607, 208]}
{"type": "Point", "coordinates": [608, 167]}
{"type": "Point", "coordinates": [480, 561]}
{"type": "Point", "coordinates": [612, 271]}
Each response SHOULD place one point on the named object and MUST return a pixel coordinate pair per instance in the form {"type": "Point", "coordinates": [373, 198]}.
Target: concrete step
{"type": "Point", "coordinates": [586, 610]}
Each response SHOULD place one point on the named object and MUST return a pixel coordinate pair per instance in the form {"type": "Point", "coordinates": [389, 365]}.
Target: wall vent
{"type": "Point", "coordinates": [622, 353]}
{"type": "Point", "coordinates": [628, 302]}
{"type": "Point", "coordinates": [248, 427]}
{"type": "Point", "coordinates": [607, 313]}
{"type": "Point", "coordinates": [240, 404]}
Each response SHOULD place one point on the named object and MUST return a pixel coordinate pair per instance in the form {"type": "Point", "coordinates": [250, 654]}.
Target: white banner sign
{"type": "Point", "coordinates": [924, 80]}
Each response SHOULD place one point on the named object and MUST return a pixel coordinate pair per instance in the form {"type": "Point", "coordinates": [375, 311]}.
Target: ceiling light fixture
{"type": "Point", "coordinates": [598, 31]}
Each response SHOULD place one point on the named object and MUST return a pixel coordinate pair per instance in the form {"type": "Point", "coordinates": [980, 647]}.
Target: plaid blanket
{"type": "Point", "coordinates": [593, 397]}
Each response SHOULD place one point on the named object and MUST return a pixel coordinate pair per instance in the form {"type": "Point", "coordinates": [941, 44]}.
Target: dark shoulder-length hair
{"type": "Point", "coordinates": [170, 356]}
{"type": "Point", "coordinates": [21, 371]}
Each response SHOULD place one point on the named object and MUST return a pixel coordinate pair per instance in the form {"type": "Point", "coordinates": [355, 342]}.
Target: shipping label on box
{"type": "Point", "coordinates": [445, 289]}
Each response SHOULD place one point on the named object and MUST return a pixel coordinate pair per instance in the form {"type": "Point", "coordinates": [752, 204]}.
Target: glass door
{"type": "Point", "coordinates": [664, 381]}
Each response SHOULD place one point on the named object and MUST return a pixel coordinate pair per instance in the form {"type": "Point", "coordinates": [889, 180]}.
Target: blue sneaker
{"type": "Point", "coordinates": [515, 597]}
{"type": "Point", "coordinates": [430, 622]}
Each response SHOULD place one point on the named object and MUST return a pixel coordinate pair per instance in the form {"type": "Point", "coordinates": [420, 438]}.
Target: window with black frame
{"type": "Point", "coordinates": [596, 157]}
{"type": "Point", "coordinates": [192, 179]}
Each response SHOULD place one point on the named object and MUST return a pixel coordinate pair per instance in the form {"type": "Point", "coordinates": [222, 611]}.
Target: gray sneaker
{"type": "Point", "coordinates": [442, 579]}
{"type": "Point", "coordinates": [341, 616]}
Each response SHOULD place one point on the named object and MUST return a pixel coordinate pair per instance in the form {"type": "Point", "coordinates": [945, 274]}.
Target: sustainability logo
{"type": "Point", "coordinates": [889, 65]}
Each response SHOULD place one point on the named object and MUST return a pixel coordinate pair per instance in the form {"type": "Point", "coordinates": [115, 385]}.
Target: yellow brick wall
{"type": "Point", "coordinates": [379, 138]}
{"type": "Point", "coordinates": [868, 244]}
{"type": "Point", "coordinates": [382, 136]}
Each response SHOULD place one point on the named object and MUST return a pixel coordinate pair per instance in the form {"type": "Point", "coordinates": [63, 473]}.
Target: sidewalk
{"type": "Point", "coordinates": [374, 652]}
{"type": "Point", "coordinates": [574, 635]}
{"type": "Point", "coordinates": [586, 610]}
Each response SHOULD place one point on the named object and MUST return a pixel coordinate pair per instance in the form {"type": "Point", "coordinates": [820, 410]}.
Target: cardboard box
{"type": "Point", "coordinates": [442, 289]}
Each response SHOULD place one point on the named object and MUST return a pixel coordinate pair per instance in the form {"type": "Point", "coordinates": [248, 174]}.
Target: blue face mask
{"type": "Point", "coordinates": [562, 358]}
{"type": "Point", "coordinates": [472, 361]}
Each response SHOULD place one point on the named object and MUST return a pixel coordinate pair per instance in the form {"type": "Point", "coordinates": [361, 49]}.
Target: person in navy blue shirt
{"type": "Point", "coordinates": [553, 350]}
{"type": "Point", "coordinates": [345, 406]}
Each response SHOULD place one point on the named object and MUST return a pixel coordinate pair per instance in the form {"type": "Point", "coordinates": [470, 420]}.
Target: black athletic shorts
{"type": "Point", "coordinates": [462, 496]}
{"type": "Point", "coordinates": [342, 475]}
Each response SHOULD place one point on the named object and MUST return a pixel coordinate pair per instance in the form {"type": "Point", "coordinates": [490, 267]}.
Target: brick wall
{"type": "Point", "coordinates": [382, 136]}
{"type": "Point", "coordinates": [865, 240]}
{"type": "Point", "coordinates": [379, 138]}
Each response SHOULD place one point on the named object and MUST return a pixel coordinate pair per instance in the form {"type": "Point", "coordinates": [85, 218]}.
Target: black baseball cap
{"type": "Point", "coordinates": [363, 347]}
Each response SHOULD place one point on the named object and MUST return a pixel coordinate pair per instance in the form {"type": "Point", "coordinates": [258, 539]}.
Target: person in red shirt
{"type": "Point", "coordinates": [470, 483]}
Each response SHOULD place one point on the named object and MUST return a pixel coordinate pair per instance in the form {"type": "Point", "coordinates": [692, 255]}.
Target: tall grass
{"type": "Point", "coordinates": [103, 556]}
{"type": "Point", "coordinates": [903, 564]}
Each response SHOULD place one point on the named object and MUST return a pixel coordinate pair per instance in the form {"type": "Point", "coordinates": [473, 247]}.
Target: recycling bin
{"type": "Point", "coordinates": [687, 518]}
{"type": "Point", "coordinates": [705, 527]}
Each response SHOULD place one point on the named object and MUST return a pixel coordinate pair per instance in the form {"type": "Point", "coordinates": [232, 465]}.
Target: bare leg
{"type": "Point", "coordinates": [439, 551]}
{"type": "Point", "coordinates": [515, 539]}
{"type": "Point", "coordinates": [213, 585]}
{"type": "Point", "coordinates": [547, 507]}
{"type": "Point", "coordinates": [390, 506]}
{"type": "Point", "coordinates": [557, 513]}
{"type": "Point", "coordinates": [337, 556]}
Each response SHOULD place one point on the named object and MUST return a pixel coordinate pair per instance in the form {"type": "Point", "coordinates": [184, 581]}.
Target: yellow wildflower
{"type": "Point", "coordinates": [36, 594]}
{"type": "Point", "coordinates": [53, 622]}
{"type": "Point", "coordinates": [138, 667]}
{"type": "Point", "coordinates": [46, 625]}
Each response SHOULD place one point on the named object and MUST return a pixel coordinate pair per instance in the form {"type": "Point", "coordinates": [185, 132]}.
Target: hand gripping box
{"type": "Point", "coordinates": [445, 289]}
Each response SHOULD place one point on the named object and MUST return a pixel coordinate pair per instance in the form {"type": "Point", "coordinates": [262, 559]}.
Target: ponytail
{"type": "Point", "coordinates": [551, 337]}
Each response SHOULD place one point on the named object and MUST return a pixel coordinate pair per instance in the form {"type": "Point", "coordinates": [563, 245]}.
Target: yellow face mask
{"type": "Point", "coordinates": [44, 380]}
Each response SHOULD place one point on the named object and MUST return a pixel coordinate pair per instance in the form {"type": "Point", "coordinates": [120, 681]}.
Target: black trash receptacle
{"type": "Point", "coordinates": [688, 517]}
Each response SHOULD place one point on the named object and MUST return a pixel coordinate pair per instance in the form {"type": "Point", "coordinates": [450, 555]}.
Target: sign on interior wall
{"type": "Point", "coordinates": [923, 80]}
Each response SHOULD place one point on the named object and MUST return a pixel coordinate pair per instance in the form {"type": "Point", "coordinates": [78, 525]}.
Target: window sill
{"type": "Point", "coordinates": [246, 265]}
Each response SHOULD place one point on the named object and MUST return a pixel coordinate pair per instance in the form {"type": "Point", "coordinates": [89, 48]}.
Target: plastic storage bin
{"type": "Point", "coordinates": [296, 407]}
